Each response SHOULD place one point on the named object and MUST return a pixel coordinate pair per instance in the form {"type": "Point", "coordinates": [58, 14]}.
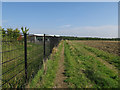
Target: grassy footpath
{"type": "Point", "coordinates": [85, 71]}
{"type": "Point", "coordinates": [42, 80]}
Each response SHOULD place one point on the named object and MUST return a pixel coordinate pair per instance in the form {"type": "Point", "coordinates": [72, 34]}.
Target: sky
{"type": "Point", "coordinates": [60, 0]}
{"type": "Point", "coordinates": [93, 19]}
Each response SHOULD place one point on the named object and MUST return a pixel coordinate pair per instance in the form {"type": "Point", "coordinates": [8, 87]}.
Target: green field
{"type": "Point", "coordinates": [88, 67]}
{"type": "Point", "coordinates": [85, 67]}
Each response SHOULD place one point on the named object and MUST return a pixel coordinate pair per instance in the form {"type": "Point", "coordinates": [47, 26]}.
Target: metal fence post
{"type": "Point", "coordinates": [25, 53]}
{"type": "Point", "coordinates": [50, 44]}
{"type": "Point", "coordinates": [54, 41]}
{"type": "Point", "coordinates": [44, 47]}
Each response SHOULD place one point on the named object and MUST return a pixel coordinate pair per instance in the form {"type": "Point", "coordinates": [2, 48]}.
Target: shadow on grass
{"type": "Point", "coordinates": [100, 80]}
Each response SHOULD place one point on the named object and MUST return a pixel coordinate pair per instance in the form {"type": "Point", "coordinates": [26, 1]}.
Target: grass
{"type": "Point", "coordinates": [112, 59]}
{"type": "Point", "coordinates": [34, 61]}
{"type": "Point", "coordinates": [82, 69]}
{"type": "Point", "coordinates": [85, 71]}
{"type": "Point", "coordinates": [42, 80]}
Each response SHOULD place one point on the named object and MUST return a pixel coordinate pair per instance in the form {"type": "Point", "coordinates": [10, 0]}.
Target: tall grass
{"type": "Point", "coordinates": [43, 80]}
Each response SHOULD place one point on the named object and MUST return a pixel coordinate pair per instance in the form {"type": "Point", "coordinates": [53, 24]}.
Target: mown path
{"type": "Point", "coordinates": [60, 77]}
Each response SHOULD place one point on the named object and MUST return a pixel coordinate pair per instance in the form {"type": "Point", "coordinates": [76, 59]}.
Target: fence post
{"type": "Point", "coordinates": [50, 44]}
{"type": "Point", "coordinates": [25, 53]}
{"type": "Point", "coordinates": [44, 64]}
{"type": "Point", "coordinates": [54, 41]}
{"type": "Point", "coordinates": [44, 47]}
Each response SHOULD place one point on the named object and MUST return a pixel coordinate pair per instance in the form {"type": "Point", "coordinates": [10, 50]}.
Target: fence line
{"type": "Point", "coordinates": [21, 59]}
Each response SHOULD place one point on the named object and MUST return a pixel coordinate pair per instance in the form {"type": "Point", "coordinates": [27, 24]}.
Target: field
{"type": "Point", "coordinates": [108, 46]}
{"type": "Point", "coordinates": [78, 64]}
{"type": "Point", "coordinates": [93, 67]}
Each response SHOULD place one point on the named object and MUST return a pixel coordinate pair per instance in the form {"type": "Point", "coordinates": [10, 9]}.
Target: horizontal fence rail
{"type": "Point", "coordinates": [22, 56]}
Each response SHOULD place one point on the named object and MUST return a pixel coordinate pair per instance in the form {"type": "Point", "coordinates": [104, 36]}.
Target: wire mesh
{"type": "Point", "coordinates": [13, 57]}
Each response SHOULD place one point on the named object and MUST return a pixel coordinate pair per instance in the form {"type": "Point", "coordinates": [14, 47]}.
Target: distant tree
{"type": "Point", "coordinates": [10, 32]}
{"type": "Point", "coordinates": [0, 28]}
{"type": "Point", "coordinates": [16, 33]}
{"type": "Point", "coordinates": [3, 32]}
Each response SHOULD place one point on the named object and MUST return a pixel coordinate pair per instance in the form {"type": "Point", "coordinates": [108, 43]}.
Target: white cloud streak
{"type": "Point", "coordinates": [106, 31]}
{"type": "Point", "coordinates": [93, 31]}
{"type": "Point", "coordinates": [4, 21]}
{"type": "Point", "coordinates": [65, 26]}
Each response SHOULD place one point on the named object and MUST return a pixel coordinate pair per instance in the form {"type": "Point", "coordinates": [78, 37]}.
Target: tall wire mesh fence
{"type": "Point", "coordinates": [23, 57]}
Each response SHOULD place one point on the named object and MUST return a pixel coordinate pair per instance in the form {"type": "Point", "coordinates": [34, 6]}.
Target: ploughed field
{"type": "Point", "coordinates": [91, 64]}
{"type": "Point", "coordinates": [108, 46]}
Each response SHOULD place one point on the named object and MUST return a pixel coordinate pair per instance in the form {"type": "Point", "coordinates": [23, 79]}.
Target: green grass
{"type": "Point", "coordinates": [42, 80]}
{"type": "Point", "coordinates": [110, 58]}
{"type": "Point", "coordinates": [75, 77]}
{"type": "Point", "coordinates": [84, 70]}
{"type": "Point", "coordinates": [34, 61]}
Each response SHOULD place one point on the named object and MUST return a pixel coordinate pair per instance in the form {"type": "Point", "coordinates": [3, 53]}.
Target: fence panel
{"type": "Point", "coordinates": [22, 58]}
{"type": "Point", "coordinates": [12, 59]}
{"type": "Point", "coordinates": [34, 57]}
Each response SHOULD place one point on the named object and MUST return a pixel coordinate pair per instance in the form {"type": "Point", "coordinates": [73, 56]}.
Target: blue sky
{"type": "Point", "coordinates": [63, 18]}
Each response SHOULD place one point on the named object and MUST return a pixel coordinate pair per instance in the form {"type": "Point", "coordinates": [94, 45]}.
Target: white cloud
{"type": "Point", "coordinates": [93, 31]}
{"type": "Point", "coordinates": [106, 31]}
{"type": "Point", "coordinates": [65, 26]}
{"type": "Point", "coordinates": [4, 21]}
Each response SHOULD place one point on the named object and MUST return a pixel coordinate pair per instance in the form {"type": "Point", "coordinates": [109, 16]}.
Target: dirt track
{"type": "Point", "coordinates": [60, 77]}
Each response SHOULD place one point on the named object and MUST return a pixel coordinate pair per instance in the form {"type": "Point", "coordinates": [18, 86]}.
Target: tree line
{"type": "Point", "coordinates": [87, 38]}
{"type": "Point", "coordinates": [13, 33]}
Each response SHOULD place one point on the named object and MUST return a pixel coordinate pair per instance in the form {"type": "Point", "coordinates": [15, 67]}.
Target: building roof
{"type": "Point", "coordinates": [43, 35]}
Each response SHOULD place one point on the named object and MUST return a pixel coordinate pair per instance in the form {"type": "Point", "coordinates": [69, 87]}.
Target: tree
{"type": "Point", "coordinates": [24, 31]}
{"type": "Point", "coordinates": [0, 28]}
{"type": "Point", "coordinates": [16, 33]}
{"type": "Point", "coordinates": [10, 32]}
{"type": "Point", "coordinates": [3, 32]}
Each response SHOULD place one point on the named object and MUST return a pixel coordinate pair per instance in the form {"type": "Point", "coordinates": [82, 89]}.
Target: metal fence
{"type": "Point", "coordinates": [22, 58]}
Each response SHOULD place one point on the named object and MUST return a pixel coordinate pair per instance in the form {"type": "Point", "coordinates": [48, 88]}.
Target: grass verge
{"type": "Point", "coordinates": [42, 80]}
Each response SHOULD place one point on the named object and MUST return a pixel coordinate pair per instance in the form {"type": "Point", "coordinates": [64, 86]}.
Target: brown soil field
{"type": "Point", "coordinates": [108, 46]}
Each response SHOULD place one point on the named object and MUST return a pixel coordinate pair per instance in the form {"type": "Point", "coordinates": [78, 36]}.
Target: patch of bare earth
{"type": "Point", "coordinates": [60, 77]}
